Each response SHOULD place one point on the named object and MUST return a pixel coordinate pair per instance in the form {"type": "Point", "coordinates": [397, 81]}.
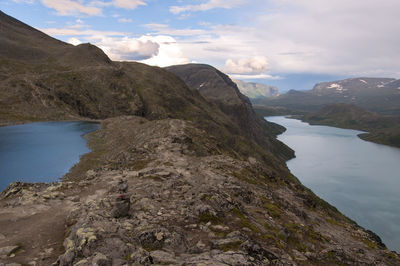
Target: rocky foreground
{"type": "Point", "coordinates": [163, 192]}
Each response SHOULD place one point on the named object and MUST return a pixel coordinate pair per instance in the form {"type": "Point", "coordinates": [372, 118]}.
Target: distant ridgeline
{"type": "Point", "coordinates": [369, 104]}
{"type": "Point", "coordinates": [381, 95]}
{"type": "Point", "coordinates": [256, 90]}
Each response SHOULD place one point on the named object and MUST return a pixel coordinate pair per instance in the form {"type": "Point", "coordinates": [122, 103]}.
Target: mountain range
{"type": "Point", "coordinates": [381, 95]}
{"type": "Point", "coordinates": [182, 171]}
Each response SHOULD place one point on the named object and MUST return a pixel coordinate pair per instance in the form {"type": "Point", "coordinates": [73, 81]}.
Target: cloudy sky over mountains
{"type": "Point", "coordinates": [267, 40]}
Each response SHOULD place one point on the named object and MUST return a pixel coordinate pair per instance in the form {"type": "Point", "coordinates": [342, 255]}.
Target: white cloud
{"type": "Point", "coordinates": [169, 53]}
{"type": "Point", "coordinates": [74, 41]}
{"type": "Point", "coordinates": [253, 65]}
{"type": "Point", "coordinates": [76, 31]}
{"type": "Point", "coordinates": [164, 29]}
{"type": "Point", "coordinates": [210, 4]}
{"type": "Point", "coordinates": [257, 76]}
{"type": "Point", "coordinates": [159, 50]}
{"type": "Point", "coordinates": [24, 1]}
{"type": "Point", "coordinates": [124, 20]}
{"type": "Point", "coordinates": [71, 7]}
{"type": "Point", "coordinates": [126, 48]}
{"type": "Point", "coordinates": [92, 8]}
{"type": "Point", "coordinates": [128, 4]}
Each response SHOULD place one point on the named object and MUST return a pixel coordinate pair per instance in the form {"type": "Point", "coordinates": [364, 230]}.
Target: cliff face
{"type": "Point", "coordinates": [176, 176]}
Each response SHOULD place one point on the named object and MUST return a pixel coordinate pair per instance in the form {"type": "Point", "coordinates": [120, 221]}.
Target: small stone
{"type": "Point", "coordinates": [200, 245]}
{"type": "Point", "coordinates": [164, 174]}
{"type": "Point", "coordinates": [159, 236]}
{"type": "Point", "coordinates": [8, 250]}
{"type": "Point", "coordinates": [162, 257]}
{"type": "Point", "coordinates": [122, 186]}
{"type": "Point", "coordinates": [90, 174]}
{"type": "Point", "coordinates": [2, 237]}
{"type": "Point", "coordinates": [101, 260]}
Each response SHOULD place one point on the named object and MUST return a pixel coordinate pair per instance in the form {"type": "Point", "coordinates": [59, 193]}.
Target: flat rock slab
{"type": "Point", "coordinates": [5, 251]}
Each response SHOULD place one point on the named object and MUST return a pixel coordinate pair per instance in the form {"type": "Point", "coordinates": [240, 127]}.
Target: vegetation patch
{"type": "Point", "coordinates": [244, 221]}
{"type": "Point", "coordinates": [207, 217]}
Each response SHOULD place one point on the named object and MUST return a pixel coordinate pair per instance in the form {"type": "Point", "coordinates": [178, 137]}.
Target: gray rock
{"type": "Point", "coordinates": [8, 250]}
{"type": "Point", "coordinates": [67, 258]}
{"type": "Point", "coordinates": [2, 237]}
{"type": "Point", "coordinates": [121, 207]}
{"type": "Point", "coordinates": [122, 186]}
{"type": "Point", "coordinates": [101, 260]}
{"type": "Point", "coordinates": [141, 257]}
{"type": "Point", "coordinates": [162, 257]}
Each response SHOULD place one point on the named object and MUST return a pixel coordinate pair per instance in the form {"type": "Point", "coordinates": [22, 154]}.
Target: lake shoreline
{"type": "Point", "coordinates": [63, 144]}
{"type": "Point", "coordinates": [346, 171]}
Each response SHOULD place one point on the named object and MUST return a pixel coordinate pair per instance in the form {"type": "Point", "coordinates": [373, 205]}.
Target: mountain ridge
{"type": "Point", "coordinates": [379, 95]}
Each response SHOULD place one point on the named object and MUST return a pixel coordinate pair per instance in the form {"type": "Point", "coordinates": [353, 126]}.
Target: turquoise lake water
{"type": "Point", "coordinates": [360, 178]}
{"type": "Point", "coordinates": [41, 152]}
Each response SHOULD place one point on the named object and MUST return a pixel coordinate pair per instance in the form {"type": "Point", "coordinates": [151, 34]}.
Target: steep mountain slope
{"type": "Point", "coordinates": [256, 90]}
{"type": "Point", "coordinates": [218, 88]}
{"type": "Point", "coordinates": [176, 176]}
{"type": "Point", "coordinates": [381, 95]}
{"type": "Point", "coordinates": [68, 82]}
{"type": "Point", "coordinates": [381, 129]}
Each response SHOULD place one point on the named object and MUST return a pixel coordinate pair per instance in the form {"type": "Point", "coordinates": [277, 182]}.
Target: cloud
{"type": "Point", "coordinates": [125, 20]}
{"type": "Point", "coordinates": [92, 8]}
{"type": "Point", "coordinates": [258, 76]}
{"type": "Point", "coordinates": [164, 29]}
{"type": "Point", "coordinates": [74, 41]}
{"type": "Point", "coordinates": [71, 8]}
{"type": "Point", "coordinates": [253, 65]}
{"type": "Point", "coordinates": [159, 50]}
{"type": "Point", "coordinates": [24, 1]}
{"type": "Point", "coordinates": [76, 31]}
{"type": "Point", "coordinates": [210, 4]}
{"type": "Point", "coordinates": [126, 48]}
{"type": "Point", "coordinates": [128, 4]}
{"type": "Point", "coordinates": [169, 53]}
{"type": "Point", "coordinates": [308, 36]}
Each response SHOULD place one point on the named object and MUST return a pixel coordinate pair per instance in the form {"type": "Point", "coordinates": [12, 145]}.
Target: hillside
{"type": "Point", "coordinates": [381, 129]}
{"type": "Point", "coordinates": [176, 176]}
{"type": "Point", "coordinates": [219, 89]}
{"type": "Point", "coordinates": [256, 90]}
{"type": "Point", "coordinates": [381, 95]}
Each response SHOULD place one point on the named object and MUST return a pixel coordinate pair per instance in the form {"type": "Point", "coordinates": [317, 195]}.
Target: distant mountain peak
{"type": "Point", "coordinates": [256, 90]}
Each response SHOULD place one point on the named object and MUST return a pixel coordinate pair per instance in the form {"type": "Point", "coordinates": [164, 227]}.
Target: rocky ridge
{"type": "Point", "coordinates": [169, 196]}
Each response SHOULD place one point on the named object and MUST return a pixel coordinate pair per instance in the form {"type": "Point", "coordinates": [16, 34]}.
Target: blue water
{"type": "Point", "coordinates": [41, 152]}
{"type": "Point", "coordinates": [360, 178]}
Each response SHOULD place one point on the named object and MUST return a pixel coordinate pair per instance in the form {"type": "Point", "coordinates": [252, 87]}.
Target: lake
{"type": "Point", "coordinates": [360, 178]}
{"type": "Point", "coordinates": [41, 152]}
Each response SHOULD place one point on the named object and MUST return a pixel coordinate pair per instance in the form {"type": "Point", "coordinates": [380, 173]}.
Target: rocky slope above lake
{"type": "Point", "coordinates": [169, 195]}
{"type": "Point", "coordinates": [381, 129]}
{"type": "Point", "coordinates": [176, 175]}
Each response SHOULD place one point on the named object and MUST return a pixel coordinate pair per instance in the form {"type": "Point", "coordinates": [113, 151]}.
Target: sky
{"type": "Point", "coordinates": [292, 44]}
